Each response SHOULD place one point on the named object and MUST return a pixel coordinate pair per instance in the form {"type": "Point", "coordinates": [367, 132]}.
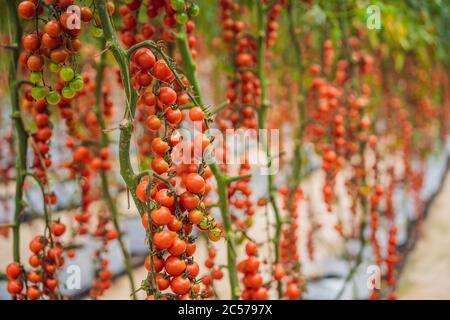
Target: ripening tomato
{"type": "Point", "coordinates": [27, 10]}
{"type": "Point", "coordinates": [253, 280]}
{"type": "Point", "coordinates": [53, 28]}
{"type": "Point", "coordinates": [86, 14]}
{"type": "Point", "coordinates": [34, 276]}
{"type": "Point", "coordinates": [33, 293]}
{"type": "Point", "coordinates": [37, 245]}
{"type": "Point", "coordinates": [243, 60]}
{"type": "Point", "coordinates": [252, 264]}
{"type": "Point", "coordinates": [293, 292]}
{"type": "Point", "coordinates": [190, 249]}
{"type": "Point", "coordinates": [31, 42]}
{"type": "Point", "coordinates": [144, 78]}
{"type": "Point", "coordinates": [71, 253]}
{"type": "Point", "coordinates": [175, 266]}
{"type": "Point", "coordinates": [162, 281]}
{"type": "Point", "coordinates": [49, 42]}
{"type": "Point", "coordinates": [14, 287]}
{"type": "Point", "coordinates": [58, 229]}
{"type": "Point", "coordinates": [163, 239]}
{"type": "Point", "coordinates": [59, 55]}
{"type": "Point", "coordinates": [141, 190]}
{"type": "Point", "coordinates": [189, 201]}
{"type": "Point", "coordinates": [217, 274]}
{"type": "Point", "coordinates": [81, 155]}
{"type": "Point", "coordinates": [13, 270]}
{"type": "Point", "coordinates": [159, 146]}
{"type": "Point", "coordinates": [34, 261]}
{"type": "Point", "coordinates": [180, 285]}
{"type": "Point", "coordinates": [174, 224]}
{"type": "Point", "coordinates": [35, 62]}
{"type": "Point", "coordinates": [195, 216]}
{"type": "Point", "coordinates": [193, 269]}
{"type": "Point", "coordinates": [214, 234]}
{"type": "Point", "coordinates": [164, 199]}
{"type": "Point", "coordinates": [196, 114]}
{"type": "Point", "coordinates": [148, 99]}
{"type": "Point", "coordinates": [158, 263]}
{"type": "Point", "coordinates": [183, 98]}
{"type": "Point", "coordinates": [51, 284]}
{"type": "Point", "coordinates": [178, 247]}
{"type": "Point", "coordinates": [260, 294]}
{"type": "Point", "coordinates": [161, 71]}
{"type": "Point", "coordinates": [144, 58]}
{"type": "Point", "coordinates": [161, 216]}
{"type": "Point", "coordinates": [167, 96]}
{"type": "Point", "coordinates": [173, 116]}
{"type": "Point", "coordinates": [279, 272]}
{"type": "Point", "coordinates": [144, 220]}
{"type": "Point", "coordinates": [159, 165]}
{"type": "Point", "coordinates": [111, 234]}
{"type": "Point", "coordinates": [153, 122]}
{"type": "Point", "coordinates": [251, 248]}
{"type": "Point", "coordinates": [195, 183]}
{"type": "Point", "coordinates": [207, 280]}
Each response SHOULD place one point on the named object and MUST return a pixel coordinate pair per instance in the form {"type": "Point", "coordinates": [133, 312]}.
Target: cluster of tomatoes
{"type": "Point", "coordinates": [391, 257]}
{"type": "Point", "coordinates": [289, 255]}
{"type": "Point", "coordinates": [240, 197]}
{"type": "Point", "coordinates": [171, 213]}
{"type": "Point", "coordinates": [46, 259]}
{"type": "Point", "coordinates": [214, 273]}
{"type": "Point", "coordinates": [105, 233]}
{"type": "Point", "coordinates": [175, 12]}
{"type": "Point", "coordinates": [272, 24]}
{"type": "Point", "coordinates": [57, 44]}
{"type": "Point", "coordinates": [253, 280]}
{"type": "Point", "coordinates": [244, 90]}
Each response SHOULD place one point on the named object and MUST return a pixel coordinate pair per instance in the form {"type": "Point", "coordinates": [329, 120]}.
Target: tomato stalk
{"type": "Point", "coordinates": [22, 135]}
{"type": "Point", "coordinates": [262, 122]}
{"type": "Point", "coordinates": [104, 179]}
{"type": "Point", "coordinates": [126, 126]}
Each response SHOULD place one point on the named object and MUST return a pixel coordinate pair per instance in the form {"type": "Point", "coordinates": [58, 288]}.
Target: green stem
{"type": "Point", "coordinates": [297, 159]}
{"type": "Point", "coordinates": [126, 126]}
{"type": "Point", "coordinates": [189, 65]}
{"type": "Point", "coordinates": [104, 178]}
{"type": "Point", "coordinates": [229, 235]}
{"type": "Point", "coordinates": [262, 121]}
{"type": "Point", "coordinates": [22, 136]}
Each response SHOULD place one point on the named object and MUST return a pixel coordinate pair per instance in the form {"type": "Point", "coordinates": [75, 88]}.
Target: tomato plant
{"type": "Point", "coordinates": [173, 106]}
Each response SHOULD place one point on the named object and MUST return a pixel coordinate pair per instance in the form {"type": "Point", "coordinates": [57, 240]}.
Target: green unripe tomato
{"type": "Point", "coordinates": [53, 67]}
{"type": "Point", "coordinates": [35, 77]}
{"type": "Point", "coordinates": [181, 17]}
{"type": "Point", "coordinates": [39, 93]}
{"type": "Point", "coordinates": [53, 97]}
{"type": "Point", "coordinates": [66, 73]}
{"type": "Point", "coordinates": [177, 5]}
{"type": "Point", "coordinates": [97, 32]}
{"type": "Point", "coordinates": [76, 84]}
{"type": "Point", "coordinates": [194, 10]}
{"type": "Point", "coordinates": [68, 93]}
